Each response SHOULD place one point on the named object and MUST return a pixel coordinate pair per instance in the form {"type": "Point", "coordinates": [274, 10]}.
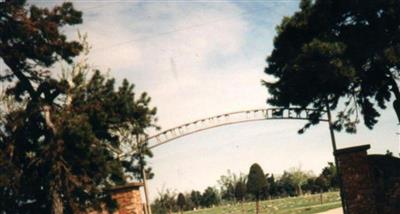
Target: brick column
{"type": "Point", "coordinates": [357, 179]}
{"type": "Point", "coordinates": [128, 198]}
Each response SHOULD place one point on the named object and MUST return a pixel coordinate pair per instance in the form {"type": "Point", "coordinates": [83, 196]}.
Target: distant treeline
{"type": "Point", "coordinates": [233, 188]}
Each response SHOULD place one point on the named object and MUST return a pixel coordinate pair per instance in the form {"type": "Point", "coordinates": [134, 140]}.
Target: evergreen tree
{"type": "Point", "coordinates": [227, 184]}
{"type": "Point", "coordinates": [195, 196]}
{"type": "Point", "coordinates": [240, 193]}
{"type": "Point", "coordinates": [335, 52]}
{"type": "Point", "coordinates": [330, 174]}
{"type": "Point", "coordinates": [256, 183]}
{"type": "Point", "coordinates": [181, 202]}
{"type": "Point", "coordinates": [57, 146]}
{"type": "Point", "coordinates": [273, 191]}
{"type": "Point", "coordinates": [210, 197]}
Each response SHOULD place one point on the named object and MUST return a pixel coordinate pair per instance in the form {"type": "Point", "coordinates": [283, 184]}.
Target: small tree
{"type": "Point", "coordinates": [195, 196]}
{"type": "Point", "coordinates": [329, 172]}
{"type": "Point", "coordinates": [210, 197]}
{"type": "Point", "coordinates": [273, 190]}
{"type": "Point", "coordinates": [181, 202]}
{"type": "Point", "coordinates": [164, 203]}
{"type": "Point", "coordinates": [227, 185]}
{"type": "Point", "coordinates": [256, 183]}
{"type": "Point", "coordinates": [322, 183]}
{"type": "Point", "coordinates": [240, 192]}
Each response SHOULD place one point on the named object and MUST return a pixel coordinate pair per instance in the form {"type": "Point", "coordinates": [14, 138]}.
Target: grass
{"type": "Point", "coordinates": [304, 204]}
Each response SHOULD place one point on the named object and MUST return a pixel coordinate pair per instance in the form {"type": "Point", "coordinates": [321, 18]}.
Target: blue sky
{"type": "Point", "coordinates": [197, 59]}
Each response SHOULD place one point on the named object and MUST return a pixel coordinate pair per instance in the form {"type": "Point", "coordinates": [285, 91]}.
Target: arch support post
{"type": "Point", "coordinates": [338, 172]}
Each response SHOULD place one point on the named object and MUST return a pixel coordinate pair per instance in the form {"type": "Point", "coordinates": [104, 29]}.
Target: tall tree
{"type": "Point", "coordinates": [58, 145]}
{"type": "Point", "coordinates": [181, 201]}
{"type": "Point", "coordinates": [273, 190]}
{"type": "Point", "coordinates": [338, 51]}
{"type": "Point", "coordinates": [256, 183]}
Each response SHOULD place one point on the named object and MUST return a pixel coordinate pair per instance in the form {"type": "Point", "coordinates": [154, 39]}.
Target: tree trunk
{"type": "Point", "coordinates": [241, 205]}
{"type": "Point", "coordinates": [146, 193]}
{"type": "Point", "coordinates": [257, 206]}
{"type": "Point", "coordinates": [300, 191]}
{"type": "Point", "coordinates": [57, 206]}
{"type": "Point", "coordinates": [56, 203]}
{"type": "Point", "coordinates": [321, 197]}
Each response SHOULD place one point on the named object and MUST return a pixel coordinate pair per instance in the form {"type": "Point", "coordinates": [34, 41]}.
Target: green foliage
{"type": "Point", "coordinates": [181, 201]}
{"type": "Point", "coordinates": [330, 174]}
{"type": "Point", "coordinates": [337, 51]}
{"type": "Point", "coordinates": [240, 190]}
{"type": "Point", "coordinates": [58, 143]}
{"type": "Point", "coordinates": [210, 197]}
{"type": "Point", "coordinates": [256, 180]}
{"type": "Point", "coordinates": [164, 203]}
{"type": "Point", "coordinates": [291, 183]}
{"type": "Point", "coordinates": [273, 188]}
{"type": "Point", "coordinates": [227, 185]}
{"type": "Point", "coordinates": [322, 183]}
{"type": "Point", "coordinates": [31, 41]}
{"type": "Point", "coordinates": [195, 197]}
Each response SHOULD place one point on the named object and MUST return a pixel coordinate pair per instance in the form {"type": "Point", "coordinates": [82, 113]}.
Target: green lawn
{"type": "Point", "coordinates": [304, 204]}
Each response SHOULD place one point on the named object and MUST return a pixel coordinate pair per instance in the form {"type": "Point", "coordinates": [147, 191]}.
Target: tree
{"type": "Point", "coordinates": [189, 204]}
{"type": "Point", "coordinates": [256, 182]}
{"type": "Point", "coordinates": [58, 146]}
{"type": "Point", "coordinates": [240, 192]}
{"type": "Point", "coordinates": [195, 196]}
{"type": "Point", "coordinates": [322, 183]}
{"type": "Point", "coordinates": [209, 197]}
{"type": "Point", "coordinates": [335, 52]}
{"type": "Point", "coordinates": [312, 186]}
{"type": "Point", "coordinates": [285, 185]}
{"type": "Point", "coordinates": [330, 174]}
{"type": "Point", "coordinates": [273, 189]}
{"type": "Point", "coordinates": [227, 185]}
{"type": "Point", "coordinates": [164, 203]}
{"type": "Point", "coordinates": [299, 178]}
{"type": "Point", "coordinates": [181, 202]}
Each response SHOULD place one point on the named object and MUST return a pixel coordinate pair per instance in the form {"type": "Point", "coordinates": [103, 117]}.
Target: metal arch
{"type": "Point", "coordinates": [228, 119]}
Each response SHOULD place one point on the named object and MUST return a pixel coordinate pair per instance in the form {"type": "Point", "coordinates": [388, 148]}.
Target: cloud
{"type": "Point", "coordinates": [139, 36]}
{"type": "Point", "coordinates": [178, 52]}
{"type": "Point", "coordinates": [188, 56]}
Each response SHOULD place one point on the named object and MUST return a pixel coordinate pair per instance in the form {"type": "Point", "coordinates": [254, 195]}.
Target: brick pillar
{"type": "Point", "coordinates": [357, 179]}
{"type": "Point", "coordinates": [128, 198]}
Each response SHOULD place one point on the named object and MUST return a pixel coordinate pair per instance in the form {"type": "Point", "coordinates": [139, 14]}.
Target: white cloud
{"type": "Point", "coordinates": [166, 49]}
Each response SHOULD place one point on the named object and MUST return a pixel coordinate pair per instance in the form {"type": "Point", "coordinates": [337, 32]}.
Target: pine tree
{"type": "Point", "coordinates": [181, 201]}
{"type": "Point", "coordinates": [338, 53]}
{"type": "Point", "coordinates": [195, 196]}
{"type": "Point", "coordinates": [57, 146]}
{"type": "Point", "coordinates": [256, 183]}
{"type": "Point", "coordinates": [240, 192]}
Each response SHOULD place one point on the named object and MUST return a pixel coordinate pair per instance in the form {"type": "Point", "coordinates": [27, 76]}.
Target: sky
{"type": "Point", "coordinates": [201, 58]}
